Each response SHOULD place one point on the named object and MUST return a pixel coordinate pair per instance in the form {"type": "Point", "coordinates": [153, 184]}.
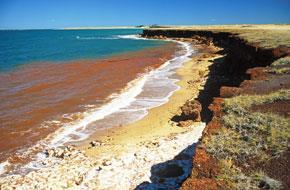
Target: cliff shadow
{"type": "Point", "coordinates": [217, 77]}
{"type": "Point", "coordinates": [220, 74]}
{"type": "Point", "coordinates": [170, 174]}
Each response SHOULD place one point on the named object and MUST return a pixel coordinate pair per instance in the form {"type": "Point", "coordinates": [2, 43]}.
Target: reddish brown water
{"type": "Point", "coordinates": [35, 94]}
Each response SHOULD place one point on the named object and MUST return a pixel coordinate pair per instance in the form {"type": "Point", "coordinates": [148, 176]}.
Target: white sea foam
{"type": "Point", "coordinates": [113, 37]}
{"type": "Point", "coordinates": [134, 100]}
{"type": "Point", "coordinates": [132, 36]}
{"type": "Point", "coordinates": [96, 38]}
{"type": "Point", "coordinates": [3, 166]}
{"type": "Point", "coordinates": [123, 100]}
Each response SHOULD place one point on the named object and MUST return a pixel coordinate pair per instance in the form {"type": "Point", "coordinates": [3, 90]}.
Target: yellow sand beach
{"type": "Point", "coordinates": [158, 121]}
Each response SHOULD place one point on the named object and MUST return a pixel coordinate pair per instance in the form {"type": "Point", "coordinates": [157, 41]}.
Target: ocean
{"type": "Point", "coordinates": [61, 86]}
{"type": "Point", "coordinates": [20, 47]}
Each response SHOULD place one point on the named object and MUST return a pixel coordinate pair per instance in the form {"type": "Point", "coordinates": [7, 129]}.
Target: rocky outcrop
{"type": "Point", "coordinates": [191, 110]}
{"type": "Point", "coordinates": [190, 113]}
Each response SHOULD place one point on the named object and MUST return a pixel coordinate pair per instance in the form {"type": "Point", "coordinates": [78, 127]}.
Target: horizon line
{"type": "Point", "coordinates": [136, 26]}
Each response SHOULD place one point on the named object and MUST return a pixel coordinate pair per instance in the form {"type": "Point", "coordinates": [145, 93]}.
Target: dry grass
{"type": "Point", "coordinates": [270, 132]}
{"type": "Point", "coordinates": [234, 178]}
{"type": "Point", "coordinates": [266, 132]}
{"type": "Point", "coordinates": [230, 145]}
{"type": "Point", "coordinates": [246, 101]}
{"type": "Point", "coordinates": [248, 135]}
{"type": "Point", "coordinates": [282, 61]}
{"type": "Point", "coordinates": [280, 66]}
{"type": "Point", "coordinates": [285, 70]}
{"type": "Point", "coordinates": [268, 36]}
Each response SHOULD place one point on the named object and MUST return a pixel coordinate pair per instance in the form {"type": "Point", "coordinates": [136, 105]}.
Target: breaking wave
{"type": "Point", "coordinates": [114, 37]}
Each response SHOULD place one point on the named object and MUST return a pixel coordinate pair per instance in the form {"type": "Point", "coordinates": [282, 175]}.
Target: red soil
{"type": "Point", "coordinates": [278, 107]}
{"type": "Point", "coordinates": [257, 73]}
{"type": "Point", "coordinates": [227, 92]}
{"type": "Point", "coordinates": [206, 167]}
{"type": "Point", "coordinates": [279, 168]}
{"type": "Point", "coordinates": [200, 184]}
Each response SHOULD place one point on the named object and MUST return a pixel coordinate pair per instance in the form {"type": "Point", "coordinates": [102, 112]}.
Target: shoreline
{"type": "Point", "coordinates": [156, 127]}
{"type": "Point", "coordinates": [158, 120]}
{"type": "Point", "coordinates": [100, 28]}
{"type": "Point", "coordinates": [71, 78]}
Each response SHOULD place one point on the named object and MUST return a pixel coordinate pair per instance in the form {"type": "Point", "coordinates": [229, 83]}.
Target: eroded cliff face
{"type": "Point", "coordinates": [240, 71]}
{"type": "Point", "coordinates": [229, 71]}
{"type": "Point", "coordinates": [241, 55]}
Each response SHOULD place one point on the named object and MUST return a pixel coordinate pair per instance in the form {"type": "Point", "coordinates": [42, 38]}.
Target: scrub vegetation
{"type": "Point", "coordinates": [248, 137]}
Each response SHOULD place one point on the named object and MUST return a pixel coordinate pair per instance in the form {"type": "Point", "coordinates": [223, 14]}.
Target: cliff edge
{"type": "Point", "coordinates": [245, 104]}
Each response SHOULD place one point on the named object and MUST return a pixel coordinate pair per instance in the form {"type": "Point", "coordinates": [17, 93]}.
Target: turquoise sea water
{"type": "Point", "coordinates": [19, 47]}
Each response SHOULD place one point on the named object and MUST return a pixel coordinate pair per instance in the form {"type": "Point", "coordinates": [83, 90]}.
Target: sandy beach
{"type": "Point", "coordinates": [152, 152]}
{"type": "Point", "coordinates": [158, 121]}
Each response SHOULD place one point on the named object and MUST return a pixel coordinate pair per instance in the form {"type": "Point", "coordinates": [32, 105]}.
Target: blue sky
{"type": "Point", "coordinates": [20, 14]}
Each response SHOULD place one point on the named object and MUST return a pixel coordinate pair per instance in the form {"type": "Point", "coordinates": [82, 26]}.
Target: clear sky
{"type": "Point", "coordinates": [19, 14]}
